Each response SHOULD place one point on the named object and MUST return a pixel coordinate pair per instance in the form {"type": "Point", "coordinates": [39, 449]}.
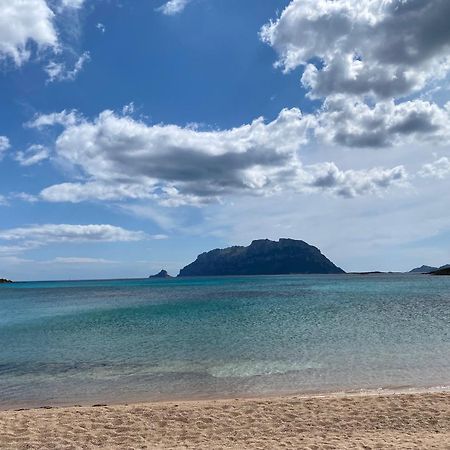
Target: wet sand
{"type": "Point", "coordinates": [360, 421]}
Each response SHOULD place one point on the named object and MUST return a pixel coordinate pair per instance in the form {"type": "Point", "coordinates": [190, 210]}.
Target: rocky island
{"type": "Point", "coordinates": [162, 274]}
{"type": "Point", "coordinates": [4, 280]}
{"type": "Point", "coordinates": [262, 257]}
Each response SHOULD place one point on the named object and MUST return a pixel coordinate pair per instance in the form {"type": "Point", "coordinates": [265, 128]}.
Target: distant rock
{"type": "Point", "coordinates": [423, 269]}
{"type": "Point", "coordinates": [375, 272]}
{"type": "Point", "coordinates": [262, 257]}
{"type": "Point", "coordinates": [4, 280]}
{"type": "Point", "coordinates": [444, 270]}
{"type": "Point", "coordinates": [162, 274]}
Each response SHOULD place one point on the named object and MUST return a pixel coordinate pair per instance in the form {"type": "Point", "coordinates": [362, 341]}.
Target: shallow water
{"type": "Point", "coordinates": [133, 340]}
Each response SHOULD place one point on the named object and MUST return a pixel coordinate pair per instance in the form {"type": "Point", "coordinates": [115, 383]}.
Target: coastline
{"type": "Point", "coordinates": [117, 401]}
{"type": "Point", "coordinates": [397, 418]}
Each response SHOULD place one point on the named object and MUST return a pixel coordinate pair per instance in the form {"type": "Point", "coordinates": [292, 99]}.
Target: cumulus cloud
{"type": "Point", "coordinates": [124, 158]}
{"type": "Point", "coordinates": [58, 71]}
{"type": "Point", "coordinates": [363, 47]}
{"type": "Point", "coordinates": [4, 145]}
{"type": "Point", "coordinates": [47, 29]}
{"type": "Point", "coordinates": [173, 7]}
{"type": "Point", "coordinates": [64, 118]}
{"type": "Point", "coordinates": [56, 233]}
{"type": "Point", "coordinates": [119, 158]}
{"type": "Point", "coordinates": [23, 22]}
{"type": "Point", "coordinates": [32, 155]}
{"type": "Point", "coordinates": [349, 122]}
{"type": "Point", "coordinates": [353, 183]}
{"type": "Point", "coordinates": [437, 169]}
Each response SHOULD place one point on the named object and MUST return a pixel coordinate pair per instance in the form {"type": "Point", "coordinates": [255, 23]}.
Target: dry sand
{"type": "Point", "coordinates": [403, 421]}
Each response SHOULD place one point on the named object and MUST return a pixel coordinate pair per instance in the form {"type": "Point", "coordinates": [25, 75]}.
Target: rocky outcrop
{"type": "Point", "coordinates": [262, 257]}
{"type": "Point", "coordinates": [4, 280]}
{"type": "Point", "coordinates": [423, 269]}
{"type": "Point", "coordinates": [162, 274]}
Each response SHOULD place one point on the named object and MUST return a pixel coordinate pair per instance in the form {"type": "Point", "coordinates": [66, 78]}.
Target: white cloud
{"type": "Point", "coordinates": [3, 201]}
{"type": "Point", "coordinates": [63, 118]}
{"type": "Point", "coordinates": [9, 250]}
{"type": "Point", "coordinates": [353, 183]}
{"type": "Point", "coordinates": [23, 22]}
{"type": "Point", "coordinates": [173, 7]}
{"type": "Point", "coordinates": [4, 145]}
{"type": "Point", "coordinates": [124, 158]}
{"type": "Point", "coordinates": [363, 47]}
{"type": "Point", "coordinates": [54, 233]}
{"type": "Point", "coordinates": [25, 197]}
{"type": "Point", "coordinates": [33, 155]}
{"type": "Point", "coordinates": [128, 109]}
{"type": "Point", "coordinates": [159, 237]}
{"type": "Point", "coordinates": [75, 4]}
{"type": "Point", "coordinates": [121, 158]}
{"type": "Point", "coordinates": [349, 122]}
{"type": "Point", "coordinates": [58, 71]}
{"type": "Point", "coordinates": [437, 169]}
{"type": "Point", "coordinates": [165, 218]}
{"type": "Point", "coordinates": [77, 260]}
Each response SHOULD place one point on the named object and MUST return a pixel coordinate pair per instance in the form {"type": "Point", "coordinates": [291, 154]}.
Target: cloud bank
{"type": "Point", "coordinates": [55, 233]}
{"type": "Point", "coordinates": [380, 48]}
{"type": "Point", "coordinates": [120, 158]}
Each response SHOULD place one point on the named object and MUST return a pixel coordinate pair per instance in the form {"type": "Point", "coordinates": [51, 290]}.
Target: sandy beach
{"type": "Point", "coordinates": [394, 421]}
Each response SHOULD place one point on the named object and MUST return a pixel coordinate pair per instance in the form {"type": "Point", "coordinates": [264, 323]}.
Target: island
{"type": "Point", "coordinates": [162, 274]}
{"type": "Point", "coordinates": [424, 269]}
{"type": "Point", "coordinates": [430, 270]}
{"type": "Point", "coordinates": [4, 280]}
{"type": "Point", "coordinates": [262, 257]}
{"type": "Point", "coordinates": [442, 271]}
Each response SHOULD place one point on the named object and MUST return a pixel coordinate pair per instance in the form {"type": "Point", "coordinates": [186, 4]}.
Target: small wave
{"type": "Point", "coordinates": [244, 369]}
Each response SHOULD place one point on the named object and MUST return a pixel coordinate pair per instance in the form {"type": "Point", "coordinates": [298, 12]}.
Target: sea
{"type": "Point", "coordinates": [123, 341]}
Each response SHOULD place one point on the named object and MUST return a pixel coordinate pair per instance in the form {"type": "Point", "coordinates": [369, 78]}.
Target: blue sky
{"type": "Point", "coordinates": [136, 134]}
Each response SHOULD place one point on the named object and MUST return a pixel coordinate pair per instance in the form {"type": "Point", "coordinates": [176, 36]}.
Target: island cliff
{"type": "Point", "coordinates": [262, 257]}
{"type": "Point", "coordinates": [4, 280]}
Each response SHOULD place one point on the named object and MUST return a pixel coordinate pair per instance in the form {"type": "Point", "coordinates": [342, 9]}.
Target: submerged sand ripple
{"type": "Point", "coordinates": [403, 421]}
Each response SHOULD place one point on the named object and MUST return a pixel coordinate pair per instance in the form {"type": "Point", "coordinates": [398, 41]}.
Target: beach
{"type": "Point", "coordinates": [302, 362]}
{"type": "Point", "coordinates": [339, 421]}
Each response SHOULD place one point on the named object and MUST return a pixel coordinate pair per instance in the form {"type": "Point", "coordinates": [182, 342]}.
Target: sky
{"type": "Point", "coordinates": [136, 134]}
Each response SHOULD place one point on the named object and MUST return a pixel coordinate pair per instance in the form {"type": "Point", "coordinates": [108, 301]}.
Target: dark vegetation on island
{"type": "Point", "coordinates": [443, 271]}
{"type": "Point", "coordinates": [262, 257]}
{"type": "Point", "coordinates": [4, 280]}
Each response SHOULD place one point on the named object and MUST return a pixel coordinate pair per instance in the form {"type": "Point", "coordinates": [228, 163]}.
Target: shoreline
{"type": "Point", "coordinates": [393, 419]}
{"type": "Point", "coordinates": [369, 392]}
{"type": "Point", "coordinates": [311, 394]}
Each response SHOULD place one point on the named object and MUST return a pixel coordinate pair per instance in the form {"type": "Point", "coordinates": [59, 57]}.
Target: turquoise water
{"type": "Point", "coordinates": [132, 340]}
